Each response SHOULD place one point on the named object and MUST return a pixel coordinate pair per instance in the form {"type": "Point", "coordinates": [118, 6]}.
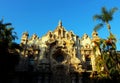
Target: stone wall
{"type": "Point", "coordinates": [60, 53]}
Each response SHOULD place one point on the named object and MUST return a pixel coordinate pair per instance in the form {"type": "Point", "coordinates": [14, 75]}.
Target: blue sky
{"type": "Point", "coordinates": [40, 16]}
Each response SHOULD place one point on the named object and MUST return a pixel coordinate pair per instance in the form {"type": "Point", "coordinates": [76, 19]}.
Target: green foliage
{"type": "Point", "coordinates": [6, 33]}
{"type": "Point", "coordinates": [108, 59]}
{"type": "Point", "coordinates": [105, 16]}
{"type": "Point", "coordinates": [98, 27]}
{"type": "Point", "coordinates": [9, 57]}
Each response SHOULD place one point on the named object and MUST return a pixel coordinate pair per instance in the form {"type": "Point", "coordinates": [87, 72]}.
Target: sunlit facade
{"type": "Point", "coordinates": [60, 55]}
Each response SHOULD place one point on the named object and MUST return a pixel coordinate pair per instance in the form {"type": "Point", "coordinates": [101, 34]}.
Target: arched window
{"type": "Point", "coordinates": [59, 58]}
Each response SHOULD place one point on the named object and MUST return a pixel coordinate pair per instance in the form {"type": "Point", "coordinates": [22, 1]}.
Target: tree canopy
{"type": "Point", "coordinates": [105, 16]}
{"type": "Point", "coordinates": [8, 59]}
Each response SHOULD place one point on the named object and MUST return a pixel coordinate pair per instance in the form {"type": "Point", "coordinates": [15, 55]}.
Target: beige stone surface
{"type": "Point", "coordinates": [62, 47]}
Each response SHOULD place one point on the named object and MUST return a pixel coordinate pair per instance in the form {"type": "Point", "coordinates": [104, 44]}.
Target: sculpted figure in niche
{"type": "Point", "coordinates": [33, 39]}
{"type": "Point", "coordinates": [86, 41]}
{"type": "Point", "coordinates": [50, 34]}
{"type": "Point", "coordinates": [59, 33]}
{"type": "Point", "coordinates": [24, 37]}
{"type": "Point", "coordinates": [68, 37]}
{"type": "Point", "coordinates": [95, 42]}
{"type": "Point", "coordinates": [34, 36]}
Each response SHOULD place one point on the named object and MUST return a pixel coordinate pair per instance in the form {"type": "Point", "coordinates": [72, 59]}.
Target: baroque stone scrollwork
{"type": "Point", "coordinates": [60, 51]}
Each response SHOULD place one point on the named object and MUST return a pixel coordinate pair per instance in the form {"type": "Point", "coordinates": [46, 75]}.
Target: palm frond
{"type": "Point", "coordinates": [105, 15]}
{"type": "Point", "coordinates": [104, 10]}
{"type": "Point", "coordinates": [112, 36]}
{"type": "Point", "coordinates": [97, 17]}
{"type": "Point", "coordinates": [6, 24]}
{"type": "Point", "coordinates": [98, 27]}
{"type": "Point", "coordinates": [113, 10]}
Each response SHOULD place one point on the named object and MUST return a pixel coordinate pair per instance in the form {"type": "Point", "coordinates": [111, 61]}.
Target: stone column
{"type": "Point", "coordinates": [39, 79]}
{"type": "Point", "coordinates": [64, 33]}
{"type": "Point", "coordinates": [46, 79]}
{"type": "Point", "coordinates": [73, 79]}
{"type": "Point", "coordinates": [80, 80]}
{"type": "Point", "coordinates": [93, 62]}
{"type": "Point", "coordinates": [61, 32]}
{"type": "Point", "coordinates": [83, 58]}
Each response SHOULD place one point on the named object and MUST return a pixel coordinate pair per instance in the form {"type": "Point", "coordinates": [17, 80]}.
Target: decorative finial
{"type": "Point", "coordinates": [26, 33]}
{"type": "Point", "coordinates": [94, 33]}
{"type": "Point", "coordinates": [60, 23]}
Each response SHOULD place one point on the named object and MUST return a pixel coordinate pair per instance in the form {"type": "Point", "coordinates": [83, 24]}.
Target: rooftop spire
{"type": "Point", "coordinates": [60, 23]}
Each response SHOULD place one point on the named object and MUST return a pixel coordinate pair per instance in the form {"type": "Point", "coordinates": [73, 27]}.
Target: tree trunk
{"type": "Point", "coordinates": [108, 27]}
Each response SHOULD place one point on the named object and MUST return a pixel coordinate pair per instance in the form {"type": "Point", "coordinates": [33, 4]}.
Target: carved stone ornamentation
{"type": "Point", "coordinates": [61, 52]}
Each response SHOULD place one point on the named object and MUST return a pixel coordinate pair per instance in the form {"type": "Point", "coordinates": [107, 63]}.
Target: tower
{"type": "Point", "coordinates": [24, 38]}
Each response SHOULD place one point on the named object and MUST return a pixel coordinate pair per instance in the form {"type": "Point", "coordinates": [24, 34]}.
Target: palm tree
{"type": "Point", "coordinates": [109, 44]}
{"type": "Point", "coordinates": [105, 16]}
{"type": "Point", "coordinates": [7, 46]}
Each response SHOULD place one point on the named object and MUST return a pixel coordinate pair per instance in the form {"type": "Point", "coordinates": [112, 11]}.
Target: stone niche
{"type": "Point", "coordinates": [61, 53]}
{"type": "Point", "coordinates": [59, 56]}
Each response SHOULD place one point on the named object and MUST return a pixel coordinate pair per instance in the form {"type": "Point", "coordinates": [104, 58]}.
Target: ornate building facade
{"type": "Point", "coordinates": [59, 56]}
